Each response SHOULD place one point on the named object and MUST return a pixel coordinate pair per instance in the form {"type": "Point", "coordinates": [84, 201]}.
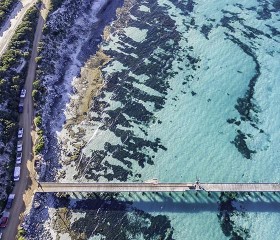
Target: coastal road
{"type": "Point", "coordinates": [24, 188]}
{"type": "Point", "coordinates": [8, 34]}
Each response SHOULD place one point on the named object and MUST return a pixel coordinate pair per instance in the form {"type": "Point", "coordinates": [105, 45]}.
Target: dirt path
{"type": "Point", "coordinates": [24, 188]}
{"type": "Point", "coordinates": [7, 35]}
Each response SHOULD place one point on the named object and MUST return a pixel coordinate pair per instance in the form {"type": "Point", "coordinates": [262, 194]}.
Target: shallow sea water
{"type": "Point", "coordinates": [220, 48]}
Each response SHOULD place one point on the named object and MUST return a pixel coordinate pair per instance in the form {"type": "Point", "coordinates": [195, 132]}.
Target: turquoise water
{"type": "Point", "coordinates": [191, 92]}
{"type": "Point", "coordinates": [230, 40]}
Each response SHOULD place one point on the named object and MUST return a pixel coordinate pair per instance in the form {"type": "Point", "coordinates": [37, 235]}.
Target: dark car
{"type": "Point", "coordinates": [4, 219]}
{"type": "Point", "coordinates": [10, 201]}
{"type": "Point", "coordinates": [20, 109]}
{"type": "Point", "coordinates": [3, 222]}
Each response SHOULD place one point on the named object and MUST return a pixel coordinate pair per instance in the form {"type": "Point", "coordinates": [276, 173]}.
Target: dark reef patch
{"type": "Point", "coordinates": [206, 29]}
{"type": "Point", "coordinates": [264, 11]}
{"type": "Point", "coordinates": [122, 220]}
{"type": "Point", "coordinates": [276, 5]}
{"type": "Point", "coordinates": [226, 212]}
{"type": "Point", "coordinates": [193, 93]}
{"type": "Point", "coordinates": [246, 107]}
{"type": "Point", "coordinates": [232, 120]}
{"type": "Point", "coordinates": [248, 37]}
{"type": "Point", "coordinates": [274, 31]}
{"type": "Point", "coordinates": [241, 145]}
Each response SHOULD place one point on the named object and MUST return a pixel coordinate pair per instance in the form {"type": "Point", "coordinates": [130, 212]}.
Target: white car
{"type": "Point", "coordinates": [23, 93]}
{"type": "Point", "coordinates": [20, 133]}
{"type": "Point", "coordinates": [19, 146]}
{"type": "Point", "coordinates": [19, 157]}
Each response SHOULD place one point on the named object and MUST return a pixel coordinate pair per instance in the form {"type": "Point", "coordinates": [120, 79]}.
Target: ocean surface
{"type": "Point", "coordinates": [191, 92]}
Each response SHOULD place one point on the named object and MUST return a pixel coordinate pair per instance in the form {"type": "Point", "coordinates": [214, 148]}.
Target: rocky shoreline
{"type": "Point", "coordinates": [71, 77]}
{"type": "Point", "coordinates": [73, 92]}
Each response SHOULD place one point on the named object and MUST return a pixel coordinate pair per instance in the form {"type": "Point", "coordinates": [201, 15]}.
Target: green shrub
{"type": "Point", "coordinates": [39, 145]}
{"type": "Point", "coordinates": [20, 234]}
{"type": "Point", "coordinates": [35, 95]}
{"type": "Point", "coordinates": [38, 121]}
{"type": "Point", "coordinates": [36, 84]}
{"type": "Point", "coordinates": [38, 59]}
{"type": "Point", "coordinates": [55, 4]}
{"type": "Point", "coordinates": [9, 129]}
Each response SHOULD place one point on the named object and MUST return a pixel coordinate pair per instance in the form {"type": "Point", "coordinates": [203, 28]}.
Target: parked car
{"type": "Point", "coordinates": [20, 132]}
{"type": "Point", "coordinates": [10, 201]}
{"type": "Point", "coordinates": [20, 108]}
{"type": "Point", "coordinates": [19, 146]}
{"type": "Point", "coordinates": [3, 222]}
{"type": "Point", "coordinates": [19, 157]}
{"type": "Point", "coordinates": [20, 105]}
{"type": "Point", "coordinates": [16, 173]}
{"type": "Point", "coordinates": [23, 93]}
{"type": "Point", "coordinates": [4, 219]}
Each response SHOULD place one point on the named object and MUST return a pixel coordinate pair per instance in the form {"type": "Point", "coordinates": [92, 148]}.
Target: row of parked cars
{"type": "Point", "coordinates": [5, 215]}
{"type": "Point", "coordinates": [22, 96]}
{"type": "Point", "coordinates": [19, 155]}
{"type": "Point", "coordinates": [20, 141]}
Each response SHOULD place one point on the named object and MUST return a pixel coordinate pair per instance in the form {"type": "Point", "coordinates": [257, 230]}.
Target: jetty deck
{"type": "Point", "coordinates": [157, 187]}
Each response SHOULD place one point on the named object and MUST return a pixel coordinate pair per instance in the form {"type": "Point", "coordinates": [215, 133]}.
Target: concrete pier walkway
{"type": "Point", "coordinates": [157, 187]}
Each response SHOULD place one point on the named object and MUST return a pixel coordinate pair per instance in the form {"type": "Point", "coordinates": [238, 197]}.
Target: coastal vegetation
{"type": "Point", "coordinates": [13, 70]}
{"type": "Point", "coordinates": [55, 4]}
{"type": "Point", "coordinates": [21, 234]}
{"type": "Point", "coordinates": [45, 66]}
{"type": "Point", "coordinates": [38, 92]}
{"type": "Point", "coordinates": [12, 65]}
{"type": "Point", "coordinates": [39, 145]}
{"type": "Point", "coordinates": [6, 7]}
{"type": "Point", "coordinates": [38, 121]}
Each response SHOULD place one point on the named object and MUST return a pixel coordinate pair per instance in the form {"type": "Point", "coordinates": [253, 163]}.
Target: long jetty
{"type": "Point", "coordinates": [157, 187]}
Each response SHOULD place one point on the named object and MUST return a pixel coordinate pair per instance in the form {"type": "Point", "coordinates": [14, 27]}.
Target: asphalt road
{"type": "Point", "coordinates": [24, 188]}
{"type": "Point", "coordinates": [8, 34]}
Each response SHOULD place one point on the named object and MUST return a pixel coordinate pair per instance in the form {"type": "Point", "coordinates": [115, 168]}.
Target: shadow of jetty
{"type": "Point", "coordinates": [129, 212]}
{"type": "Point", "coordinates": [163, 202]}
